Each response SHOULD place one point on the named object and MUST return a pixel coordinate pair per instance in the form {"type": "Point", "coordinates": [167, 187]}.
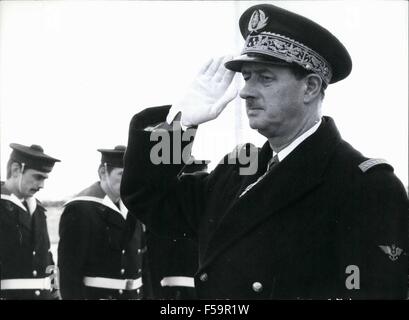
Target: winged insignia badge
{"type": "Point", "coordinates": [257, 21]}
{"type": "Point", "coordinates": [393, 251]}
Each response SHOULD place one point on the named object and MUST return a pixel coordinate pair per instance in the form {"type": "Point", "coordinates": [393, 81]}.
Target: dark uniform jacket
{"type": "Point", "coordinates": [316, 227]}
{"type": "Point", "coordinates": [96, 241]}
{"type": "Point", "coordinates": [24, 246]}
{"type": "Point", "coordinates": [172, 265]}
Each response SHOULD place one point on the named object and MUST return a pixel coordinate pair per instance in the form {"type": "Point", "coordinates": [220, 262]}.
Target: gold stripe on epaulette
{"type": "Point", "coordinates": [368, 164]}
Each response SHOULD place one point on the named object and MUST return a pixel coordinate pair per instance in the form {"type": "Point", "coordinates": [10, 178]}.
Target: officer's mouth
{"type": "Point", "coordinates": [251, 107]}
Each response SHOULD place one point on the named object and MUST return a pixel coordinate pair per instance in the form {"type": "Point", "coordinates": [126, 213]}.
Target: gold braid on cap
{"type": "Point", "coordinates": [287, 49]}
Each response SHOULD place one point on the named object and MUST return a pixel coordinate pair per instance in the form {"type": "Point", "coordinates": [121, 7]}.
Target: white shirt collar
{"type": "Point", "coordinates": [122, 209]}
{"type": "Point", "coordinates": [288, 149]}
{"type": "Point", "coordinates": [31, 202]}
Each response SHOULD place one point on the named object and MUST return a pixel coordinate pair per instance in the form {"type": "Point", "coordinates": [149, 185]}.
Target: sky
{"type": "Point", "coordinates": [73, 73]}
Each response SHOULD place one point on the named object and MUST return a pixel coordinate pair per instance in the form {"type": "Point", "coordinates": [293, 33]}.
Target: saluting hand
{"type": "Point", "coordinates": [207, 96]}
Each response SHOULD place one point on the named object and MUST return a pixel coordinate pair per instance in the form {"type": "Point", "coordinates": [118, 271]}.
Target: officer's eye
{"type": "Point", "coordinates": [246, 76]}
{"type": "Point", "coordinates": [266, 78]}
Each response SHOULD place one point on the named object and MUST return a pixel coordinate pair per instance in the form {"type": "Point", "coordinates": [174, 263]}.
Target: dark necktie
{"type": "Point", "coordinates": [26, 206]}
{"type": "Point", "coordinates": [273, 161]}
{"type": "Point", "coordinates": [27, 213]}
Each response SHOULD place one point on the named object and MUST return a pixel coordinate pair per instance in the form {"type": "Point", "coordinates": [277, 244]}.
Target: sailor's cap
{"type": "Point", "coordinates": [32, 157]}
{"type": "Point", "coordinates": [113, 157]}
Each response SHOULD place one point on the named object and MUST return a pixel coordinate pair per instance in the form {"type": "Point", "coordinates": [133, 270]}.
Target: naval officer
{"type": "Point", "coordinates": [315, 219]}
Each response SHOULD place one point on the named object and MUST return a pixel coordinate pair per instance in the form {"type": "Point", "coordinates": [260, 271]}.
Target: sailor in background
{"type": "Point", "coordinates": [173, 261]}
{"type": "Point", "coordinates": [26, 263]}
{"type": "Point", "coordinates": [101, 247]}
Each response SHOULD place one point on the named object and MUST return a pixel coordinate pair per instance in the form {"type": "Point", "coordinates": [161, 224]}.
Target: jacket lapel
{"type": "Point", "coordinates": [32, 204]}
{"type": "Point", "coordinates": [40, 232]}
{"type": "Point", "coordinates": [113, 215]}
{"type": "Point", "coordinates": [24, 217]}
{"type": "Point", "coordinates": [288, 181]}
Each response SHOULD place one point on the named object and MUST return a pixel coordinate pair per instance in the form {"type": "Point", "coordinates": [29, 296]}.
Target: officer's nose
{"type": "Point", "coordinates": [247, 91]}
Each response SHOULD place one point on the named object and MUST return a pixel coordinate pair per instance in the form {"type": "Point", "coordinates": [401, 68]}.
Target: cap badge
{"type": "Point", "coordinates": [257, 21]}
{"type": "Point", "coordinates": [393, 251]}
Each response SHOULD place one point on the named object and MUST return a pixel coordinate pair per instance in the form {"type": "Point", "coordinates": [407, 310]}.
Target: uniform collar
{"type": "Point", "coordinates": [9, 196]}
{"type": "Point", "coordinates": [288, 149]}
{"type": "Point", "coordinates": [109, 203]}
{"type": "Point", "coordinates": [96, 194]}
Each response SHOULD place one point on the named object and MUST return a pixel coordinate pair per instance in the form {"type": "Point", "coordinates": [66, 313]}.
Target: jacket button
{"type": "Point", "coordinates": [123, 251]}
{"type": "Point", "coordinates": [203, 277]}
{"type": "Point", "coordinates": [37, 293]}
{"type": "Point", "coordinates": [35, 273]}
{"type": "Point", "coordinates": [121, 291]}
{"type": "Point", "coordinates": [34, 253]}
{"type": "Point", "coordinates": [138, 291]}
{"type": "Point", "coordinates": [122, 271]}
{"type": "Point", "coordinates": [257, 287]}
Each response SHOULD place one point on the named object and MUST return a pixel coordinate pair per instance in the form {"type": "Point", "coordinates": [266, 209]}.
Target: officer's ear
{"type": "Point", "coordinates": [313, 83]}
{"type": "Point", "coordinates": [15, 169]}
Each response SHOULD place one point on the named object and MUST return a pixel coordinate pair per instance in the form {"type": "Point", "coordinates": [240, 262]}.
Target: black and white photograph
{"type": "Point", "coordinates": [204, 150]}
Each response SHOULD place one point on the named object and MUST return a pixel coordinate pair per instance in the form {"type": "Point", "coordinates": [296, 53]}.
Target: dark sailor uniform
{"type": "Point", "coordinates": [26, 263]}
{"type": "Point", "coordinates": [100, 253]}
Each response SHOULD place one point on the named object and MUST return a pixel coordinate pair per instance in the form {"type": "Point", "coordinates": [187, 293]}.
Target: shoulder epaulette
{"type": "Point", "coordinates": [370, 163]}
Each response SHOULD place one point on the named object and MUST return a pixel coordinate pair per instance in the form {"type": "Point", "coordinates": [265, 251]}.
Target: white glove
{"type": "Point", "coordinates": [207, 96]}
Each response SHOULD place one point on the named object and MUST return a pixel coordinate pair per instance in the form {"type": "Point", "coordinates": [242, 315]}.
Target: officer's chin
{"type": "Point", "coordinates": [259, 128]}
{"type": "Point", "coordinates": [253, 123]}
{"type": "Point", "coordinates": [32, 192]}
